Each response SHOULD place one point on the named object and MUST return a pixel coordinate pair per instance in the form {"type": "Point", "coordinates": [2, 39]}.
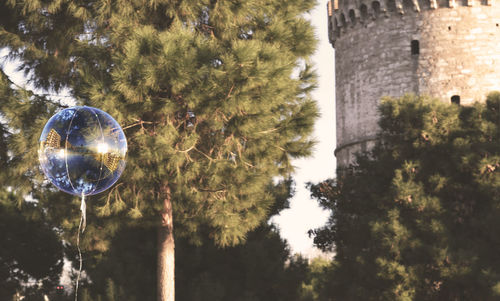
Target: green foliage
{"type": "Point", "coordinates": [31, 252]}
{"type": "Point", "coordinates": [313, 287]}
{"type": "Point", "coordinates": [415, 218]}
{"type": "Point", "coordinates": [213, 96]}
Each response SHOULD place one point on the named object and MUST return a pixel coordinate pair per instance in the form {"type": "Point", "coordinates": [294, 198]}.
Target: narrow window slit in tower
{"type": "Point", "coordinates": [376, 8]}
{"type": "Point", "coordinates": [449, 27]}
{"type": "Point", "coordinates": [391, 5]}
{"type": "Point", "coordinates": [415, 47]}
{"type": "Point", "coordinates": [343, 21]}
{"type": "Point", "coordinates": [455, 99]}
{"type": "Point", "coordinates": [352, 16]}
{"type": "Point", "coordinates": [364, 12]}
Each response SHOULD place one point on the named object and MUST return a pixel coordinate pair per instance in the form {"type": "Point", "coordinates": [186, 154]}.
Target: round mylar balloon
{"type": "Point", "coordinates": [82, 150]}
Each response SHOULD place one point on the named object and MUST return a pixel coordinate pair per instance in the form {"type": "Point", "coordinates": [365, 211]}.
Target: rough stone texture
{"type": "Point", "coordinates": [459, 54]}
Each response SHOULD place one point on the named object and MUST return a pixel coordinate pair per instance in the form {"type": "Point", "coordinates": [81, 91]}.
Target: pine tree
{"type": "Point", "coordinates": [213, 96]}
{"type": "Point", "coordinates": [416, 218]}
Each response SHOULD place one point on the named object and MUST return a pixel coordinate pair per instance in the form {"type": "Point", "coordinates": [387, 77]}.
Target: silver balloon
{"type": "Point", "coordinates": [82, 150]}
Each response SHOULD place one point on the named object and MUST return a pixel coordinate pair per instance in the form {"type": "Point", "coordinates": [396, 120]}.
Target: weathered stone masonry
{"type": "Point", "coordinates": [445, 48]}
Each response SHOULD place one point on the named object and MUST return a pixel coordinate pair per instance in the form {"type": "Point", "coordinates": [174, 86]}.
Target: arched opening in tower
{"type": "Point", "coordinates": [455, 99]}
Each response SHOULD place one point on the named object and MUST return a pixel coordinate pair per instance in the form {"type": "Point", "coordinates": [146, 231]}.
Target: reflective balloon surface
{"type": "Point", "coordinates": [82, 150]}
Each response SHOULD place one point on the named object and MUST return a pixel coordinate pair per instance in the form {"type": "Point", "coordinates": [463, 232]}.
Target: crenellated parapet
{"type": "Point", "coordinates": [346, 14]}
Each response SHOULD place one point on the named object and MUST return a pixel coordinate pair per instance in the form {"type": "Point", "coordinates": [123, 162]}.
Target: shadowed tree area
{"type": "Point", "coordinates": [260, 269]}
{"type": "Point", "coordinates": [418, 217]}
{"type": "Point", "coordinates": [31, 255]}
{"type": "Point", "coordinates": [31, 252]}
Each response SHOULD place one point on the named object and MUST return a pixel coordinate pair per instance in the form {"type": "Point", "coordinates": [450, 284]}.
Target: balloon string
{"type": "Point", "coordinates": [83, 208]}
{"type": "Point", "coordinates": [81, 227]}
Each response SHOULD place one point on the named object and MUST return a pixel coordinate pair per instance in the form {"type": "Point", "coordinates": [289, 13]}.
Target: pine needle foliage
{"type": "Point", "coordinates": [417, 218]}
{"type": "Point", "coordinates": [31, 255]}
{"type": "Point", "coordinates": [213, 96]}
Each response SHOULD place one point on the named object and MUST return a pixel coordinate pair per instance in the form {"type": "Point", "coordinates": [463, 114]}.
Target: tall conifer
{"type": "Point", "coordinates": [213, 96]}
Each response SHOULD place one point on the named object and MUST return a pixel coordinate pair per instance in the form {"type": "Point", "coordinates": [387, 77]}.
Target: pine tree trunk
{"type": "Point", "coordinates": [166, 251]}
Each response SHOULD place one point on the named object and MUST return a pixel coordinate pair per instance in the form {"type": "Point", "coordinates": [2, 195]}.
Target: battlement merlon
{"type": "Point", "coordinates": [343, 14]}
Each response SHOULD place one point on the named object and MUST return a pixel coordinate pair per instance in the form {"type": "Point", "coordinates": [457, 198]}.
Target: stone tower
{"type": "Point", "coordinates": [449, 49]}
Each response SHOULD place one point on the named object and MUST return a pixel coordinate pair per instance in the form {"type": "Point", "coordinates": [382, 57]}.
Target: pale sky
{"type": "Point", "coordinates": [304, 212]}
